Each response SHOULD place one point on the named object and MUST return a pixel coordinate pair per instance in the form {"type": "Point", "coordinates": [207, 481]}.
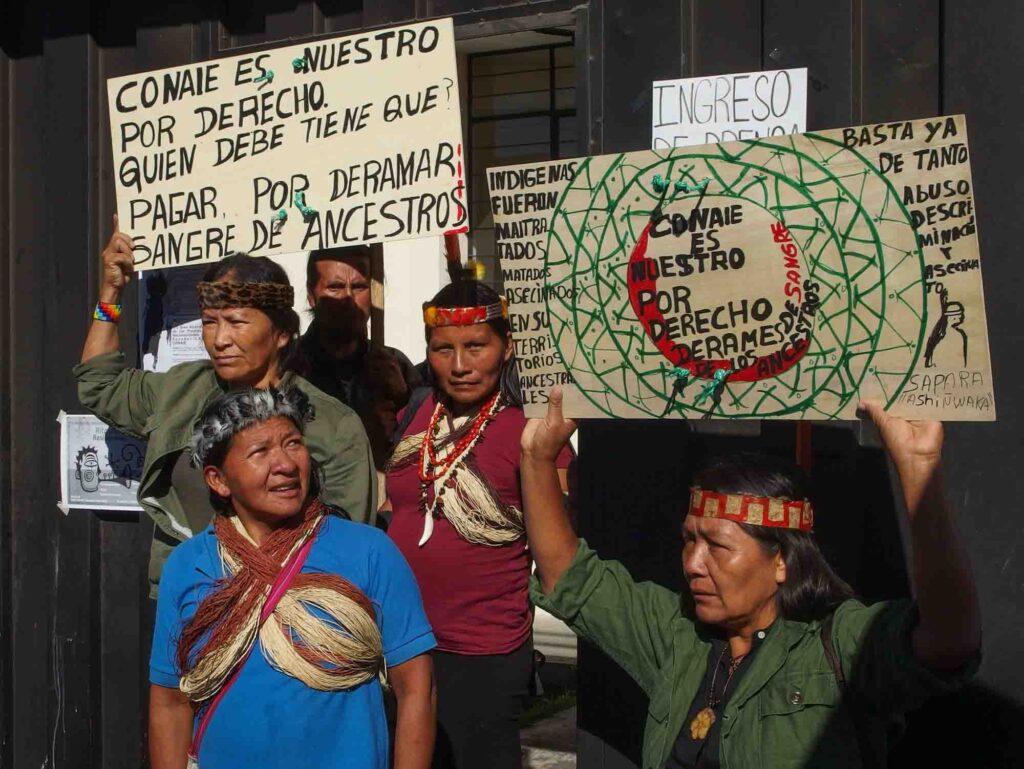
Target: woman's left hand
{"type": "Point", "coordinates": [914, 445]}
{"type": "Point", "coordinates": [909, 443]}
{"type": "Point", "coordinates": [948, 632]}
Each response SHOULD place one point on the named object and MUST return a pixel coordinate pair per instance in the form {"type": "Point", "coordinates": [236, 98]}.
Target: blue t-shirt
{"type": "Point", "coordinates": [267, 718]}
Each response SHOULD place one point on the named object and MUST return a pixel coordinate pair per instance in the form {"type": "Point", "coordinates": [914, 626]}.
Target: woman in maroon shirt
{"type": "Point", "coordinates": [453, 484]}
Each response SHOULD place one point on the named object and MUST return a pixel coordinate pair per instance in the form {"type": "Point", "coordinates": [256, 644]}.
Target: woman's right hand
{"type": "Point", "coordinates": [117, 264]}
{"type": "Point", "coordinates": [543, 439]}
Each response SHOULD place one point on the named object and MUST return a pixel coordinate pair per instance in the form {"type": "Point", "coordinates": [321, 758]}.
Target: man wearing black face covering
{"type": "Point", "coordinates": [375, 383]}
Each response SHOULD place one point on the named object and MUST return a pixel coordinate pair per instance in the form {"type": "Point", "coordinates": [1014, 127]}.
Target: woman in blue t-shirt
{"type": "Point", "coordinates": [332, 605]}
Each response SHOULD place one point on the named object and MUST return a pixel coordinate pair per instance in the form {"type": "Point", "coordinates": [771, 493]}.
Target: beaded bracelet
{"type": "Point", "coordinates": [111, 313]}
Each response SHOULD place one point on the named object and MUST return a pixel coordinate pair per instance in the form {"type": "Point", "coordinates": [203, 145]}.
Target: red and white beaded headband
{"type": "Point", "coordinates": [773, 512]}
{"type": "Point", "coordinates": [434, 317]}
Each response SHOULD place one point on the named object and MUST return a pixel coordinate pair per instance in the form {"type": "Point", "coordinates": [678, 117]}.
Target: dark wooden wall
{"type": "Point", "coordinates": [74, 617]}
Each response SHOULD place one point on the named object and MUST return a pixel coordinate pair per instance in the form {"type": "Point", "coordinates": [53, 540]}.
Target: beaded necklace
{"type": "Point", "coordinates": [433, 470]}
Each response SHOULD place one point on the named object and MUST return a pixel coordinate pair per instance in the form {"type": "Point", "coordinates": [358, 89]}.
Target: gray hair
{"type": "Point", "coordinates": [236, 410]}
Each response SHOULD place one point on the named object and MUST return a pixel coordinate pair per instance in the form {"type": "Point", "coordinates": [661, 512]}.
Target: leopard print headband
{"type": "Point", "coordinates": [263, 296]}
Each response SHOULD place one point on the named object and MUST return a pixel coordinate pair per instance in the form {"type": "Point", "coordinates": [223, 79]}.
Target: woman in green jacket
{"type": "Point", "coordinates": [250, 332]}
{"type": "Point", "coordinates": [766, 660]}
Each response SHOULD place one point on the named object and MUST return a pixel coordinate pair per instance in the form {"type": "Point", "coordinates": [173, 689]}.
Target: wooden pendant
{"type": "Point", "coordinates": [701, 724]}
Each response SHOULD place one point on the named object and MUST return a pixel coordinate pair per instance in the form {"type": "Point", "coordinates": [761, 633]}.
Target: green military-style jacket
{"type": "Point", "coordinates": [787, 710]}
{"type": "Point", "coordinates": [162, 409]}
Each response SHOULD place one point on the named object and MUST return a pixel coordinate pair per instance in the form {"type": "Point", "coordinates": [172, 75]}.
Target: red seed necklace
{"type": "Point", "coordinates": [432, 469]}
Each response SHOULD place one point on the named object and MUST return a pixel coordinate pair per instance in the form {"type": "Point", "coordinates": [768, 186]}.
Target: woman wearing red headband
{"type": "Point", "coordinates": [454, 487]}
{"type": "Point", "coordinates": [767, 660]}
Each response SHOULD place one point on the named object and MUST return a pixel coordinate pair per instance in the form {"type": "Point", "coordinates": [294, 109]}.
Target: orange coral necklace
{"type": "Point", "coordinates": [432, 469]}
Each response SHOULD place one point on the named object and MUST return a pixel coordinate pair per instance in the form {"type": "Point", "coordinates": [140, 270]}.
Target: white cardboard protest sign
{"type": "Point", "coordinates": [725, 108]}
{"type": "Point", "coordinates": [347, 140]}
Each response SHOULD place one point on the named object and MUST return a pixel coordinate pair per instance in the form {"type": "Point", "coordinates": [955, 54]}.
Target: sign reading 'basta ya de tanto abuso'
{"type": "Point", "coordinates": [349, 140]}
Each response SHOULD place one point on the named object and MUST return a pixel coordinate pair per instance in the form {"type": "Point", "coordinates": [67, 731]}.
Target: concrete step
{"type": "Point", "coordinates": [551, 743]}
{"type": "Point", "coordinates": [539, 758]}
